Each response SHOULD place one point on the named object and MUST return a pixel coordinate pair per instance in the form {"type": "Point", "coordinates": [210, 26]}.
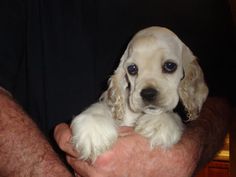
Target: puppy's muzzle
{"type": "Point", "coordinates": [149, 94]}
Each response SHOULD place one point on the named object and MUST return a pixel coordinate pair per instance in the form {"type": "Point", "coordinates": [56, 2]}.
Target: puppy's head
{"type": "Point", "coordinates": [155, 72]}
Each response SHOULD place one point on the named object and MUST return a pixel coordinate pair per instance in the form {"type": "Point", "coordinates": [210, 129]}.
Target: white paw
{"type": "Point", "coordinates": [164, 129]}
{"type": "Point", "coordinates": [92, 135]}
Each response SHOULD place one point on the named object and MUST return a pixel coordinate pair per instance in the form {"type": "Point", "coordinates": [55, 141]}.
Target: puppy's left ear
{"type": "Point", "coordinates": [193, 90]}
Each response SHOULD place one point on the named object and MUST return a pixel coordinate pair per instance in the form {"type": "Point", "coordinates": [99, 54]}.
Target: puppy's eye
{"type": "Point", "coordinates": [169, 67]}
{"type": "Point", "coordinates": [132, 69]}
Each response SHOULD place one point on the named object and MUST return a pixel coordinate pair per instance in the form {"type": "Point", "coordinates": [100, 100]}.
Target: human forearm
{"type": "Point", "coordinates": [210, 128]}
{"type": "Point", "coordinates": [23, 149]}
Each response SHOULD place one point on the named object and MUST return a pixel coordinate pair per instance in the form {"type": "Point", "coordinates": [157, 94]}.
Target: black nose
{"type": "Point", "coordinates": [149, 94]}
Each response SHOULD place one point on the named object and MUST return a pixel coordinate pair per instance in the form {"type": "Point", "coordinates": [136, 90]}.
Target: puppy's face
{"type": "Point", "coordinates": [156, 71]}
{"type": "Point", "coordinates": [153, 70]}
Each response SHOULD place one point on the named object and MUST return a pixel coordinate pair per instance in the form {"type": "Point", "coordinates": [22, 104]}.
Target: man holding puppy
{"type": "Point", "coordinates": [54, 57]}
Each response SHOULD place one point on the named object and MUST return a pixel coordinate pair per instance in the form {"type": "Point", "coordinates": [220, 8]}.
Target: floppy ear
{"type": "Point", "coordinates": [193, 90]}
{"type": "Point", "coordinates": [115, 95]}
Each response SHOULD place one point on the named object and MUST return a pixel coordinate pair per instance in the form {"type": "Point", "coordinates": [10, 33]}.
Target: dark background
{"type": "Point", "coordinates": [56, 55]}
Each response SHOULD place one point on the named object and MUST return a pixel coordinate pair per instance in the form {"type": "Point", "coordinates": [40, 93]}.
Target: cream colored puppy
{"type": "Point", "coordinates": [156, 71]}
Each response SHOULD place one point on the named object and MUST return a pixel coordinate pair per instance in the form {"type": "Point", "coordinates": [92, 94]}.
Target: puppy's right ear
{"type": "Point", "coordinates": [193, 90]}
{"type": "Point", "coordinates": [115, 95]}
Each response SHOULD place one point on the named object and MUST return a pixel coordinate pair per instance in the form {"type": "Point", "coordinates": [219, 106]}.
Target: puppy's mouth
{"type": "Point", "coordinates": [141, 105]}
{"type": "Point", "coordinates": [152, 109]}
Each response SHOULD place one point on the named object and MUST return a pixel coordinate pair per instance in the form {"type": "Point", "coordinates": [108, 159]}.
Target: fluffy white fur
{"type": "Point", "coordinates": [95, 129]}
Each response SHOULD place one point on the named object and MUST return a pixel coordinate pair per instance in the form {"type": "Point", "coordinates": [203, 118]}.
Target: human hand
{"type": "Point", "coordinates": [131, 156]}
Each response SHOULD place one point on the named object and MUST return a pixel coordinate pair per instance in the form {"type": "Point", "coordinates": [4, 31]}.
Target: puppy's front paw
{"type": "Point", "coordinates": [164, 129]}
{"type": "Point", "coordinates": [92, 135]}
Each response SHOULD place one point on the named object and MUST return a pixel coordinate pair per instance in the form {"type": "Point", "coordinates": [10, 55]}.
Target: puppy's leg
{"type": "Point", "coordinates": [93, 131]}
{"type": "Point", "coordinates": [164, 129]}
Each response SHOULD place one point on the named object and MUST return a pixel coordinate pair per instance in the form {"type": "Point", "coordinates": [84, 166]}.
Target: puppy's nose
{"type": "Point", "coordinates": [149, 94]}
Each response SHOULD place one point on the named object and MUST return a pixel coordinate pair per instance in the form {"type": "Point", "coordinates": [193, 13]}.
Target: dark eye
{"type": "Point", "coordinates": [132, 69]}
{"type": "Point", "coordinates": [169, 67]}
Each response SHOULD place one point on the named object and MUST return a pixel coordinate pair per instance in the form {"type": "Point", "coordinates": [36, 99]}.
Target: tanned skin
{"type": "Point", "coordinates": [24, 151]}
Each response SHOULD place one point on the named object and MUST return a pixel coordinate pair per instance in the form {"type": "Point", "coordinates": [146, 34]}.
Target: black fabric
{"type": "Point", "coordinates": [56, 55]}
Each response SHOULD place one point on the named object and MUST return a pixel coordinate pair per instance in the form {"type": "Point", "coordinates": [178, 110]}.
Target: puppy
{"type": "Point", "coordinates": [156, 71]}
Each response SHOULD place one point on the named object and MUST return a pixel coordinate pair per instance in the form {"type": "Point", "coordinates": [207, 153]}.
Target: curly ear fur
{"type": "Point", "coordinates": [115, 95]}
{"type": "Point", "coordinates": [193, 90]}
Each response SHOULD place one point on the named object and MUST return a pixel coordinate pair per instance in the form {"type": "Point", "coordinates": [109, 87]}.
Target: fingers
{"type": "Point", "coordinates": [82, 168]}
{"type": "Point", "coordinates": [62, 135]}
